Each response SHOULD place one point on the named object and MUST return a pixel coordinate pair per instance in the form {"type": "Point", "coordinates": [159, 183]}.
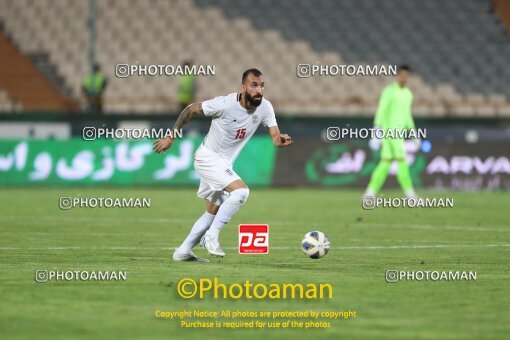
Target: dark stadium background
{"type": "Point", "coordinates": [458, 50]}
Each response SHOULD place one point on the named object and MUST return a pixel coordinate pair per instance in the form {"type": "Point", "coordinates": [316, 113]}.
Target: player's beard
{"type": "Point", "coordinates": [252, 99]}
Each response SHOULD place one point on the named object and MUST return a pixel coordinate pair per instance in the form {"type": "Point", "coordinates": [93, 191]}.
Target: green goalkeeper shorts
{"type": "Point", "coordinates": [393, 149]}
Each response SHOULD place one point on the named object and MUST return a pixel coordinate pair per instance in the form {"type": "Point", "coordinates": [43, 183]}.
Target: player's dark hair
{"type": "Point", "coordinates": [253, 71]}
{"type": "Point", "coordinates": [403, 67]}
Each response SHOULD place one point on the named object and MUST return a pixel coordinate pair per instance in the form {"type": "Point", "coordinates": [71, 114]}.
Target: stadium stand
{"type": "Point", "coordinates": [235, 35]}
{"type": "Point", "coordinates": [502, 9]}
{"type": "Point", "coordinates": [21, 80]}
{"type": "Point", "coordinates": [7, 104]}
{"type": "Point", "coordinates": [361, 34]}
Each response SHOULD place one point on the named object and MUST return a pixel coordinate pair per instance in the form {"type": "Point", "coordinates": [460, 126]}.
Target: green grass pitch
{"type": "Point", "coordinates": [36, 234]}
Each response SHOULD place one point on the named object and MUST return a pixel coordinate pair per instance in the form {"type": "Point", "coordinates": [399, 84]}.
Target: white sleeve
{"type": "Point", "coordinates": [269, 119]}
{"type": "Point", "coordinates": [215, 107]}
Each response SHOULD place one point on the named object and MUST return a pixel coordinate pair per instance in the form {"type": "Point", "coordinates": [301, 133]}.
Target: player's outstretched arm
{"type": "Point", "coordinates": [163, 144]}
{"type": "Point", "coordinates": [279, 139]}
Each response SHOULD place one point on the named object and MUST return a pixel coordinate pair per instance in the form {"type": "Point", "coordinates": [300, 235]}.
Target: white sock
{"type": "Point", "coordinates": [232, 204]}
{"type": "Point", "coordinates": [410, 193]}
{"type": "Point", "coordinates": [196, 233]}
{"type": "Point", "coordinates": [369, 193]}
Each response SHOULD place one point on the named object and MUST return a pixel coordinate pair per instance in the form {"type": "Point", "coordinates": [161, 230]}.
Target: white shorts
{"type": "Point", "coordinates": [215, 175]}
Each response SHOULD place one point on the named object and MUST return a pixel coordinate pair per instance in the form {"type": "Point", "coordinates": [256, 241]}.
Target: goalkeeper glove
{"type": "Point", "coordinates": [417, 143]}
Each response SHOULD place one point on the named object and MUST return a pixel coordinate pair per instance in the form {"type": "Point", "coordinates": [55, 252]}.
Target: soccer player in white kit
{"type": "Point", "coordinates": [235, 118]}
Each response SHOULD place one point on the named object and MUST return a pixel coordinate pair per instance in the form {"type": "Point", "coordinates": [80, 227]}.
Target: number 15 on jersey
{"type": "Point", "coordinates": [240, 133]}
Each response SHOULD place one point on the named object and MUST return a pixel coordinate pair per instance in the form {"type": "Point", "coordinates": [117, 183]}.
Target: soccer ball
{"type": "Point", "coordinates": [315, 244]}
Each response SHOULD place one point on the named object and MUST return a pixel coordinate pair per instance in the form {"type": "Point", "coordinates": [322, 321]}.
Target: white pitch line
{"type": "Point", "coordinates": [191, 220]}
{"type": "Point", "coordinates": [434, 227]}
{"type": "Point", "coordinates": [415, 246]}
{"type": "Point", "coordinates": [158, 235]}
{"type": "Point", "coordinates": [102, 219]}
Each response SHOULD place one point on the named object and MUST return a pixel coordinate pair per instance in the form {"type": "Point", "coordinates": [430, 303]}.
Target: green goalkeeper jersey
{"type": "Point", "coordinates": [394, 110]}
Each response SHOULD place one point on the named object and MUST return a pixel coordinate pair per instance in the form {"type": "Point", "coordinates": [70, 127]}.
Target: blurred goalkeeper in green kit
{"type": "Point", "coordinates": [393, 112]}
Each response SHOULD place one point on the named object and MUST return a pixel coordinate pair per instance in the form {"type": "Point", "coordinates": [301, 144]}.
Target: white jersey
{"type": "Point", "coordinates": [232, 125]}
